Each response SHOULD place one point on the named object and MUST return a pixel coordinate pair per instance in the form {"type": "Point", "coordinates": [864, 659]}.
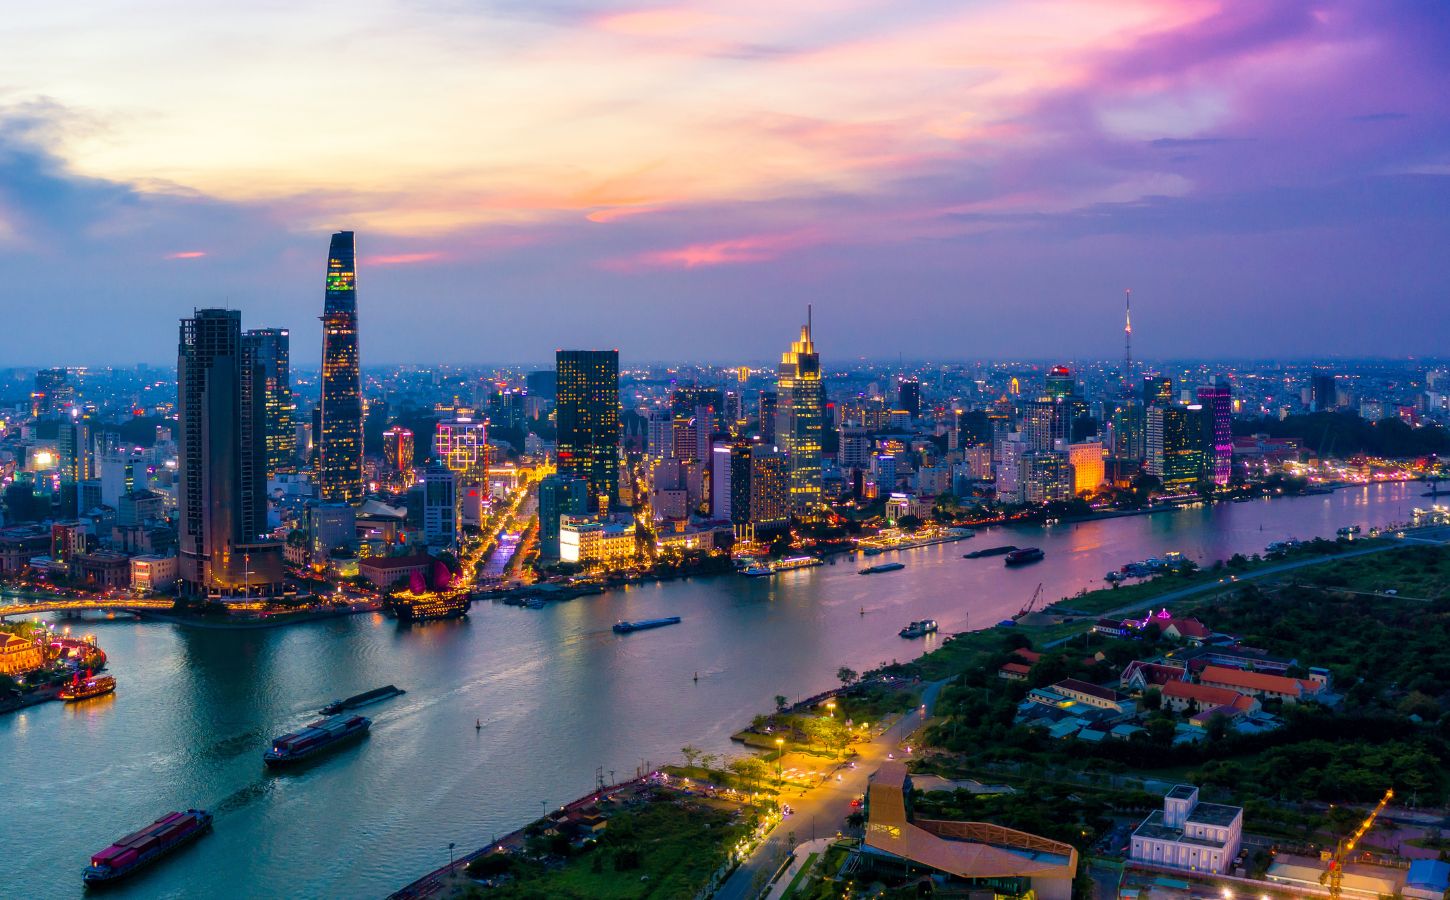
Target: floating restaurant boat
{"type": "Point", "coordinates": [424, 602]}
{"type": "Point", "coordinates": [1024, 556]}
{"type": "Point", "coordinates": [375, 695]}
{"type": "Point", "coordinates": [918, 629]}
{"type": "Point", "coordinates": [882, 567]}
{"type": "Point", "coordinates": [141, 848]}
{"type": "Point", "coordinates": [84, 689]}
{"type": "Point", "coordinates": [322, 735]}
{"type": "Point", "coordinates": [623, 627]}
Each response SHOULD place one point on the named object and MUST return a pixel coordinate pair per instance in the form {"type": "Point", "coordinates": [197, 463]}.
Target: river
{"type": "Point", "coordinates": [559, 695]}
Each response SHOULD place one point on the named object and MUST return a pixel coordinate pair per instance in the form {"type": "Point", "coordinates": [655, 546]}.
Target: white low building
{"type": "Point", "coordinates": [1186, 834]}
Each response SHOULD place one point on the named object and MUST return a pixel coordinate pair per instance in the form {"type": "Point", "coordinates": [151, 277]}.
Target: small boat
{"type": "Point", "coordinates": [623, 627]}
{"type": "Point", "coordinates": [918, 629]}
{"type": "Point", "coordinates": [319, 736]}
{"type": "Point", "coordinates": [376, 695]}
{"type": "Point", "coordinates": [882, 567]}
{"type": "Point", "coordinates": [756, 571]}
{"type": "Point", "coordinates": [1024, 556]}
{"type": "Point", "coordinates": [141, 848]}
{"type": "Point", "coordinates": [989, 551]}
{"type": "Point", "coordinates": [1348, 531]}
{"type": "Point", "coordinates": [90, 687]}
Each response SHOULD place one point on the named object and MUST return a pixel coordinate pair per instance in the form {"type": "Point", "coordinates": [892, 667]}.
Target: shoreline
{"type": "Point", "coordinates": [277, 620]}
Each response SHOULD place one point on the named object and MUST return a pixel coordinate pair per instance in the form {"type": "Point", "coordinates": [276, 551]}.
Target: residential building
{"type": "Point", "coordinates": [440, 506]}
{"type": "Point", "coordinates": [270, 351]}
{"type": "Point", "coordinates": [221, 479]}
{"type": "Point", "coordinates": [151, 574]}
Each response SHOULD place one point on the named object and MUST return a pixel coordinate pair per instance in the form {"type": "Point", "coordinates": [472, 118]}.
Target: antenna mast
{"type": "Point", "coordinates": [1128, 339]}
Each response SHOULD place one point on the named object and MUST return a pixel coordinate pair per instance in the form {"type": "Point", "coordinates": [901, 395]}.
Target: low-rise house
{"type": "Point", "coordinates": [1014, 671]}
{"type": "Point", "coordinates": [1111, 627]}
{"type": "Point", "coordinates": [1181, 695]}
{"type": "Point", "coordinates": [1247, 658]}
{"type": "Point", "coordinates": [1187, 834]}
{"type": "Point", "coordinates": [1093, 695]}
{"type": "Point", "coordinates": [1139, 675]}
{"type": "Point", "coordinates": [1261, 685]}
{"type": "Point", "coordinates": [1187, 629]}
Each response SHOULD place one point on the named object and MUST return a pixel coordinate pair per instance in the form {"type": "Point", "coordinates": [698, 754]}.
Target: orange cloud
{"type": "Point", "coordinates": [660, 22]}
{"type": "Point", "coordinates": [186, 254]}
{"type": "Point", "coordinates": [615, 213]}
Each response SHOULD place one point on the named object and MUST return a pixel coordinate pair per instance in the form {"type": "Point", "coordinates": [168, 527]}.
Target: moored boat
{"type": "Point", "coordinates": [141, 848]}
{"type": "Point", "coordinates": [315, 738]}
{"type": "Point", "coordinates": [85, 688]}
{"type": "Point", "coordinates": [919, 629]}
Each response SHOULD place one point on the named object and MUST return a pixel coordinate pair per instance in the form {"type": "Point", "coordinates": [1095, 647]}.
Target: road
{"type": "Point", "coordinates": [823, 808]}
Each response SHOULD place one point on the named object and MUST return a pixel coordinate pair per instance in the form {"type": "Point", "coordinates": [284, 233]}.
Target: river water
{"type": "Point", "coordinates": [558, 693]}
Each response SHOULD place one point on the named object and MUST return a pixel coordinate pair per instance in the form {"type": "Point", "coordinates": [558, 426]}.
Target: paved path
{"type": "Point", "coordinates": [799, 857]}
{"type": "Point", "coordinates": [823, 809]}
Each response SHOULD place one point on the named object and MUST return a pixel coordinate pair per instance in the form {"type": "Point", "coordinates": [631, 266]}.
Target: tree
{"type": "Point", "coordinates": [847, 676]}
{"type": "Point", "coordinates": [909, 522]}
{"type": "Point", "coordinates": [1153, 699]}
{"type": "Point", "coordinates": [781, 701]}
{"type": "Point", "coordinates": [708, 761]}
{"type": "Point", "coordinates": [691, 753]}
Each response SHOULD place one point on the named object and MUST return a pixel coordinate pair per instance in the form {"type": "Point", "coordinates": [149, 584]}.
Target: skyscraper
{"type": "Point", "coordinates": [398, 450]}
{"type": "Point", "coordinates": [587, 415]}
{"type": "Point", "coordinates": [769, 400]}
{"type": "Point", "coordinates": [53, 391]}
{"type": "Point", "coordinates": [800, 420]}
{"type": "Point", "coordinates": [1217, 402]}
{"type": "Point", "coordinates": [1175, 445]}
{"type": "Point", "coordinates": [461, 444]}
{"type": "Point", "coordinates": [908, 397]}
{"type": "Point", "coordinates": [559, 495]}
{"type": "Point", "coordinates": [270, 348]}
{"type": "Point", "coordinates": [340, 441]}
{"type": "Point", "coordinates": [221, 485]}
{"type": "Point", "coordinates": [1157, 389]}
{"type": "Point", "coordinates": [1323, 394]}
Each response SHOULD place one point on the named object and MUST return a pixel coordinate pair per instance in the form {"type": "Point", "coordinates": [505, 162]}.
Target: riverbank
{"type": "Point", "coordinates": [239, 621]}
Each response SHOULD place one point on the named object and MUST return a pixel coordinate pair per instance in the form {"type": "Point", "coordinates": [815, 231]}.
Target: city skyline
{"type": "Point", "coordinates": [1263, 177]}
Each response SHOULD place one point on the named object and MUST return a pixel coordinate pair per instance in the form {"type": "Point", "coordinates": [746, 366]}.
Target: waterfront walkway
{"type": "Point", "coordinates": [823, 809]}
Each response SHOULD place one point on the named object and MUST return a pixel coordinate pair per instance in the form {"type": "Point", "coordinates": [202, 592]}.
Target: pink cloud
{"type": "Point", "coordinates": [735, 251]}
{"type": "Point", "coordinates": [401, 259]}
{"type": "Point", "coordinates": [186, 254]}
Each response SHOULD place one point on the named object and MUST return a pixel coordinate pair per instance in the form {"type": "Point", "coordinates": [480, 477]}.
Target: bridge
{"type": "Point", "coordinates": [122, 604]}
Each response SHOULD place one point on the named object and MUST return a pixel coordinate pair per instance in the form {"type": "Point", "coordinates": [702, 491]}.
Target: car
{"type": "Point", "coordinates": [1392, 593]}
{"type": "Point", "coordinates": [855, 803]}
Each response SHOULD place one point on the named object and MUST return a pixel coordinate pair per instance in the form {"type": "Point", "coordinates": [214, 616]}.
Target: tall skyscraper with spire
{"type": "Point", "coordinates": [340, 443]}
{"type": "Point", "coordinates": [800, 415]}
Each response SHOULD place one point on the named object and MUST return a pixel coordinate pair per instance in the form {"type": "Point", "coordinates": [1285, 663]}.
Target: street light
{"type": "Point", "coordinates": [831, 708]}
{"type": "Point", "coordinates": [780, 760]}
{"type": "Point", "coordinates": [450, 855]}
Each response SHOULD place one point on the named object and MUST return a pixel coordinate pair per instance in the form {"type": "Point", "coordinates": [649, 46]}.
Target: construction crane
{"type": "Point", "coordinates": [1031, 604]}
{"type": "Point", "coordinates": [1335, 875]}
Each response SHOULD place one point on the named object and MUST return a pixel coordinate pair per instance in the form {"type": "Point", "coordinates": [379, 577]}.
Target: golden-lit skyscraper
{"type": "Point", "coordinates": [269, 347]}
{"type": "Point", "coordinates": [800, 420]}
{"type": "Point", "coordinates": [398, 450]}
{"type": "Point", "coordinates": [340, 444]}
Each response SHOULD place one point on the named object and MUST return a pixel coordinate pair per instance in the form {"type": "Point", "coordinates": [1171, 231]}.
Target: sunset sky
{"type": "Point", "coordinates": [945, 180]}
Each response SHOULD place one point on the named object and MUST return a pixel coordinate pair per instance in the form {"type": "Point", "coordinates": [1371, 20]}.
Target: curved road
{"type": "Point", "coordinates": [826, 805]}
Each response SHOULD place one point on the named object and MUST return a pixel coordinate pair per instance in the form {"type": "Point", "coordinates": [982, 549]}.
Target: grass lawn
{"type": "Point", "coordinates": [662, 850]}
{"type": "Point", "coordinates": [800, 874]}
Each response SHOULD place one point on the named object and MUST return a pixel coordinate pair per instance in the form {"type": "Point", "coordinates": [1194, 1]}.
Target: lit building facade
{"type": "Point", "coordinates": [1217, 402]}
{"type": "Point", "coordinates": [559, 495]}
{"type": "Point", "coordinates": [589, 541]}
{"type": "Point", "coordinates": [770, 488]}
{"type": "Point", "coordinates": [1187, 834]}
{"type": "Point", "coordinates": [587, 414]}
{"type": "Point", "coordinates": [1088, 471]}
{"type": "Point", "coordinates": [340, 441]}
{"type": "Point", "coordinates": [1175, 446]}
{"type": "Point", "coordinates": [461, 444]}
{"type": "Point", "coordinates": [800, 420]}
{"type": "Point", "coordinates": [221, 483]}
{"type": "Point", "coordinates": [270, 349]}
{"type": "Point", "coordinates": [440, 506]}
{"type": "Point", "coordinates": [398, 452]}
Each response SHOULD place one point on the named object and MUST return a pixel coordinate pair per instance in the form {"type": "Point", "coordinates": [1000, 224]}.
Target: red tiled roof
{"type": "Point", "coordinates": [1203, 694]}
{"type": "Point", "coordinates": [1189, 628]}
{"type": "Point", "coordinates": [1031, 656]}
{"type": "Point", "coordinates": [1016, 669]}
{"type": "Point", "coordinates": [1258, 681]}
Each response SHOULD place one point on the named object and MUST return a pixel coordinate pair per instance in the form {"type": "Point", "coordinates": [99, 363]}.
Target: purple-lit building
{"type": "Point", "coordinates": [1217, 402]}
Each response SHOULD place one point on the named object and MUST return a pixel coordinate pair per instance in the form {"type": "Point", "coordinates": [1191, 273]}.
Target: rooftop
{"type": "Point", "coordinates": [1219, 814]}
